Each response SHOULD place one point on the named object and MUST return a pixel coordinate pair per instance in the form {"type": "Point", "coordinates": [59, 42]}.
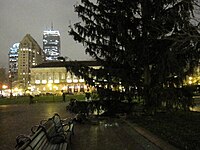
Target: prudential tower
{"type": "Point", "coordinates": [51, 44]}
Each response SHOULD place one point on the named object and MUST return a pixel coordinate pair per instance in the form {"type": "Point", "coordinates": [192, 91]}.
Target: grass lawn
{"type": "Point", "coordinates": [38, 99]}
{"type": "Point", "coordinates": [180, 129]}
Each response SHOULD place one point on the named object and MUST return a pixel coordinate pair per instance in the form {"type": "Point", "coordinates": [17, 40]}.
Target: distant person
{"type": "Point", "coordinates": [31, 99]}
{"type": "Point", "coordinates": [87, 95]}
{"type": "Point", "coordinates": [63, 95]}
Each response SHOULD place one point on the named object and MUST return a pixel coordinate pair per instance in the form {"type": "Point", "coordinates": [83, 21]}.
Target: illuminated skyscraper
{"type": "Point", "coordinates": [13, 60]}
{"type": "Point", "coordinates": [51, 44]}
{"type": "Point", "coordinates": [30, 54]}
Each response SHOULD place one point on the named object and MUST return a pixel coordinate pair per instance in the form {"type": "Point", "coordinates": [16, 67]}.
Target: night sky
{"type": "Point", "coordinates": [19, 17]}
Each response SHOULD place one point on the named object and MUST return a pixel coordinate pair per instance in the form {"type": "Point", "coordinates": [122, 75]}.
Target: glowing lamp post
{"type": "Point", "coordinates": [190, 80]}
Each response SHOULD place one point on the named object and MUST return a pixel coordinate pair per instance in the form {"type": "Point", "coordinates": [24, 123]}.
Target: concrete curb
{"type": "Point", "coordinates": [163, 145]}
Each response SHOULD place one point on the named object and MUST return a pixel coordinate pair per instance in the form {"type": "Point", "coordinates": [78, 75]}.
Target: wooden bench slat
{"type": "Point", "coordinates": [29, 148]}
{"type": "Point", "coordinates": [39, 143]}
{"type": "Point", "coordinates": [44, 144]}
{"type": "Point", "coordinates": [64, 146]}
{"type": "Point", "coordinates": [37, 139]}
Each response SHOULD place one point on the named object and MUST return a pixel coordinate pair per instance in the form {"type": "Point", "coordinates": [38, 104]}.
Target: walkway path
{"type": "Point", "coordinates": [18, 119]}
{"type": "Point", "coordinates": [106, 134]}
{"type": "Point", "coordinates": [109, 134]}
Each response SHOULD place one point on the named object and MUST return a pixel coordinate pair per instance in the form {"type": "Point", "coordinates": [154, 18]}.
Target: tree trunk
{"type": "Point", "coordinates": [147, 83]}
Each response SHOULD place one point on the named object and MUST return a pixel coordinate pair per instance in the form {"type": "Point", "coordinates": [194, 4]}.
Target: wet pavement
{"type": "Point", "coordinates": [101, 134]}
{"type": "Point", "coordinates": [18, 119]}
{"type": "Point", "coordinates": [109, 134]}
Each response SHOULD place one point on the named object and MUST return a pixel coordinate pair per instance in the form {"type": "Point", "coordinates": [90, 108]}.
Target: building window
{"type": "Point", "coordinates": [69, 75]}
{"type": "Point", "coordinates": [56, 76]}
{"type": "Point", "coordinates": [75, 80]}
{"type": "Point", "coordinates": [69, 80]}
{"type": "Point", "coordinates": [37, 81]}
{"type": "Point", "coordinates": [44, 81]}
{"type": "Point", "coordinates": [62, 76]}
{"type": "Point", "coordinates": [75, 88]}
{"type": "Point", "coordinates": [69, 89]}
{"type": "Point", "coordinates": [81, 80]}
{"type": "Point", "coordinates": [50, 76]}
{"type": "Point", "coordinates": [81, 88]}
{"type": "Point", "coordinates": [37, 76]}
{"type": "Point", "coordinates": [43, 76]}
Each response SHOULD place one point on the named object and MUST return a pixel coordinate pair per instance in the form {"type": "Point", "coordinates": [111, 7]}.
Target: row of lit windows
{"type": "Point", "coordinates": [25, 73]}
{"type": "Point", "coordinates": [55, 75]}
{"type": "Point", "coordinates": [25, 49]}
{"type": "Point", "coordinates": [70, 88]}
{"type": "Point", "coordinates": [58, 81]}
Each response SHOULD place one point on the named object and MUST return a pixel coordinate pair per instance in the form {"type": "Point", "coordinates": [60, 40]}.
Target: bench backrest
{"type": "Point", "coordinates": [38, 140]}
{"type": "Point", "coordinates": [33, 140]}
{"type": "Point", "coordinates": [47, 135]}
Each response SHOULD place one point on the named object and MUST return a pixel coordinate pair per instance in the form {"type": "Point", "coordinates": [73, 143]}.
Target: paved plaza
{"type": "Point", "coordinates": [109, 134]}
{"type": "Point", "coordinates": [18, 119]}
{"type": "Point", "coordinates": [106, 134]}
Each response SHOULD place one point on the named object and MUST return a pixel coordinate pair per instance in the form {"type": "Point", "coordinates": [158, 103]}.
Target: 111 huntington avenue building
{"type": "Point", "coordinates": [51, 44]}
{"type": "Point", "coordinates": [29, 55]}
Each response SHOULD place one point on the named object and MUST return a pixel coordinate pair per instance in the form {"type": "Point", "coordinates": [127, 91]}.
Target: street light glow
{"type": "Point", "coordinates": [4, 86]}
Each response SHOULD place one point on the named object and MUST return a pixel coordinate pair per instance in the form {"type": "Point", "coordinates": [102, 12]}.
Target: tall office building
{"type": "Point", "coordinates": [30, 54]}
{"type": "Point", "coordinates": [51, 44]}
{"type": "Point", "coordinates": [13, 60]}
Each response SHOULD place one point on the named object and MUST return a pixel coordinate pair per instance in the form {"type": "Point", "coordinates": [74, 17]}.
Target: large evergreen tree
{"type": "Point", "coordinates": [142, 43]}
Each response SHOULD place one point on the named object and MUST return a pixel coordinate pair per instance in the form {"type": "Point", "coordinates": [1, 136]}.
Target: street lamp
{"type": "Point", "coordinates": [190, 80]}
{"type": "Point", "coordinates": [4, 86]}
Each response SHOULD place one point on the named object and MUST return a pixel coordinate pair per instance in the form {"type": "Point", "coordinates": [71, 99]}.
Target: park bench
{"type": "Point", "coordinates": [51, 134]}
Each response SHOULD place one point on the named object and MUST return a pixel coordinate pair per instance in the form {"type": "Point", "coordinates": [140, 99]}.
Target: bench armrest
{"type": "Point", "coordinates": [42, 122]}
{"type": "Point", "coordinates": [21, 140]}
{"type": "Point", "coordinates": [34, 128]}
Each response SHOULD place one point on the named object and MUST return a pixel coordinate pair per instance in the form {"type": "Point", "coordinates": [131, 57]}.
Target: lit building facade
{"type": "Point", "coordinates": [53, 77]}
{"type": "Point", "coordinates": [30, 54]}
{"type": "Point", "coordinates": [51, 44]}
{"type": "Point", "coordinates": [13, 60]}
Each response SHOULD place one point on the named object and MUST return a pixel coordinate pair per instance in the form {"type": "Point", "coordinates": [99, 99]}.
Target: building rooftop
{"type": "Point", "coordinates": [50, 32]}
{"type": "Point", "coordinates": [67, 63]}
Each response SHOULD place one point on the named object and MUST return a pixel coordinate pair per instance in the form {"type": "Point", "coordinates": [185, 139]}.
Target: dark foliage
{"type": "Point", "coordinates": [180, 129]}
{"type": "Point", "coordinates": [143, 44]}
